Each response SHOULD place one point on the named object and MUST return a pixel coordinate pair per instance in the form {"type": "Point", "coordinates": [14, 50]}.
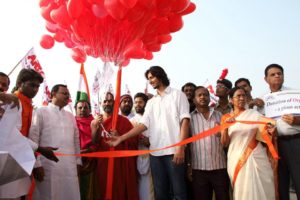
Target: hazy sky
{"type": "Point", "coordinates": [243, 36]}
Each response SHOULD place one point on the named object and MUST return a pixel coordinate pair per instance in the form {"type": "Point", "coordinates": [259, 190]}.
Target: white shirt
{"type": "Point", "coordinates": [162, 118]}
{"type": "Point", "coordinates": [143, 161]}
{"type": "Point", "coordinates": [56, 127]}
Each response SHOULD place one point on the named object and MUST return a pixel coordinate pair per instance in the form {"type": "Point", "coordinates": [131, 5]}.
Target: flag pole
{"type": "Point", "coordinates": [18, 63]}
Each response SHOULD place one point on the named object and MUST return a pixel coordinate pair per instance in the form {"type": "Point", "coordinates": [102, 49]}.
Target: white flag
{"type": "Point", "coordinates": [30, 61]}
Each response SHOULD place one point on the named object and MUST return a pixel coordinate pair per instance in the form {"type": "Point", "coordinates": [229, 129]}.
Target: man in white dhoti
{"type": "Point", "coordinates": [53, 126]}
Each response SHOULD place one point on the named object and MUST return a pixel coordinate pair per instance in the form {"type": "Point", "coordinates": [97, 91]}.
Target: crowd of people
{"type": "Point", "coordinates": [233, 163]}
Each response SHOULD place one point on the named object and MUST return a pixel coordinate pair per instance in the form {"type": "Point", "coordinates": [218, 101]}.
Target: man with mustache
{"type": "Point", "coordinates": [53, 126]}
{"type": "Point", "coordinates": [125, 181]}
{"type": "Point", "coordinates": [126, 105]}
{"type": "Point", "coordinates": [143, 161]}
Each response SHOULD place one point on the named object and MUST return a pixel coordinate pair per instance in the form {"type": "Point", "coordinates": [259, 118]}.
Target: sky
{"type": "Point", "coordinates": [243, 36]}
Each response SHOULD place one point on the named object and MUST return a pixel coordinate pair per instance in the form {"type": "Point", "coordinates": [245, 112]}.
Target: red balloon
{"type": "Point", "coordinates": [115, 9]}
{"type": "Point", "coordinates": [135, 50]}
{"type": "Point", "coordinates": [128, 3]}
{"type": "Point", "coordinates": [59, 36]}
{"type": "Point", "coordinates": [180, 5]}
{"type": "Point", "coordinates": [148, 4]}
{"type": "Point", "coordinates": [75, 8]}
{"type": "Point", "coordinates": [61, 16]}
{"type": "Point", "coordinates": [44, 3]}
{"type": "Point", "coordinates": [163, 39]}
{"type": "Point", "coordinates": [69, 43]}
{"type": "Point", "coordinates": [113, 30]}
{"type": "Point", "coordinates": [45, 11]}
{"type": "Point", "coordinates": [47, 42]}
{"type": "Point", "coordinates": [136, 13]}
{"type": "Point", "coordinates": [99, 10]}
{"type": "Point", "coordinates": [149, 55]}
{"type": "Point", "coordinates": [125, 63]}
{"type": "Point", "coordinates": [176, 23]}
{"type": "Point", "coordinates": [153, 47]}
{"type": "Point", "coordinates": [51, 27]}
{"type": "Point", "coordinates": [191, 8]}
{"type": "Point", "coordinates": [95, 1]}
{"type": "Point", "coordinates": [78, 55]}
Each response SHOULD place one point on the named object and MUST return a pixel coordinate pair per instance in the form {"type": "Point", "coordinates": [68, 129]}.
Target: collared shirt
{"type": "Point", "coordinates": [225, 110]}
{"type": "Point", "coordinates": [55, 127]}
{"type": "Point", "coordinates": [284, 128]}
{"type": "Point", "coordinates": [207, 153]}
{"type": "Point", "coordinates": [162, 118]}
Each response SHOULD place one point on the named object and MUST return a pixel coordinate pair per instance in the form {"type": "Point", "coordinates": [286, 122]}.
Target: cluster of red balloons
{"type": "Point", "coordinates": [113, 30]}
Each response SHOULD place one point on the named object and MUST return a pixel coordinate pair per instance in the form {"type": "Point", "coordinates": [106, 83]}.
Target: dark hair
{"type": "Point", "coordinates": [240, 80]}
{"type": "Point", "coordinates": [225, 82]}
{"type": "Point", "coordinates": [200, 87]}
{"type": "Point", "coordinates": [233, 90]}
{"type": "Point", "coordinates": [5, 75]}
{"type": "Point", "coordinates": [273, 66]}
{"type": "Point", "coordinates": [188, 84]}
{"type": "Point", "coordinates": [27, 75]}
{"type": "Point", "coordinates": [159, 73]}
{"type": "Point", "coordinates": [55, 88]}
{"type": "Point", "coordinates": [141, 95]}
{"type": "Point", "coordinates": [89, 104]}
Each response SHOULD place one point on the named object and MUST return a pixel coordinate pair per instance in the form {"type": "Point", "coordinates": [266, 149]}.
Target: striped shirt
{"type": "Point", "coordinates": [206, 153]}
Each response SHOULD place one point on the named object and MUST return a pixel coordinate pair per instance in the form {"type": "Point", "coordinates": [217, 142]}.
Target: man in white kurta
{"type": "Point", "coordinates": [146, 190]}
{"type": "Point", "coordinates": [53, 126]}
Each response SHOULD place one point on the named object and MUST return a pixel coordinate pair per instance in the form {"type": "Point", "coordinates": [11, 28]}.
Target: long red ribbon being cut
{"type": "Point", "coordinates": [129, 153]}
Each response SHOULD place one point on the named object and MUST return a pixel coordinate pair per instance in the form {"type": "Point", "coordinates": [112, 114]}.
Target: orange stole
{"type": "Point", "coordinates": [26, 112]}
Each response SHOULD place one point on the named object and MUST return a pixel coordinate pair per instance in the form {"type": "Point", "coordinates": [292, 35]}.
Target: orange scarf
{"type": "Point", "coordinates": [27, 109]}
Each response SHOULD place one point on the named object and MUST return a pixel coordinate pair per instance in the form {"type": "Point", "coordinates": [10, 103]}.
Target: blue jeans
{"type": "Point", "coordinates": [168, 178]}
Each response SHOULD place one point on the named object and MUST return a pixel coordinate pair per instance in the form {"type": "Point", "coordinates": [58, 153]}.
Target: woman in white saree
{"type": "Point", "coordinates": [249, 166]}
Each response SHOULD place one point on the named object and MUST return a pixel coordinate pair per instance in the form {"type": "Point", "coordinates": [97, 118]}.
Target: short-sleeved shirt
{"type": "Point", "coordinates": [162, 118]}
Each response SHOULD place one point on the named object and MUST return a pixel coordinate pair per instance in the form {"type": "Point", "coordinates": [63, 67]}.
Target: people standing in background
{"type": "Point", "coordinates": [255, 103]}
{"type": "Point", "coordinates": [126, 104]}
{"type": "Point", "coordinates": [146, 189]}
{"type": "Point", "coordinates": [83, 120]}
{"type": "Point", "coordinates": [222, 91]}
{"type": "Point", "coordinates": [188, 89]}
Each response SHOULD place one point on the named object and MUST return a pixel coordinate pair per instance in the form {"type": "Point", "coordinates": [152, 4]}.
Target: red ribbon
{"type": "Point", "coordinates": [129, 153]}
